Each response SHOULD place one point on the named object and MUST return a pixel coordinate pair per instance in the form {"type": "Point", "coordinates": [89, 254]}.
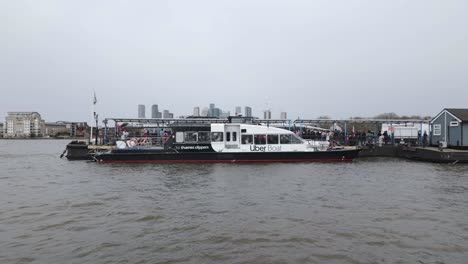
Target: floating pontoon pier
{"type": "Point", "coordinates": [394, 148]}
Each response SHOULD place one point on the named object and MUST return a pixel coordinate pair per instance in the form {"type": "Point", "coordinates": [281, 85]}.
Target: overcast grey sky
{"type": "Point", "coordinates": [309, 58]}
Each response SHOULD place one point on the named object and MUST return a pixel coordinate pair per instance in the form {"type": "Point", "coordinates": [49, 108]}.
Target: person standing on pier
{"type": "Point", "coordinates": [381, 139]}
{"type": "Point", "coordinates": [425, 139]}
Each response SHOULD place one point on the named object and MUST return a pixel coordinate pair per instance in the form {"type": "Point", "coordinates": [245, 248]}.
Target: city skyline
{"type": "Point", "coordinates": [247, 112]}
{"type": "Point", "coordinates": [155, 113]}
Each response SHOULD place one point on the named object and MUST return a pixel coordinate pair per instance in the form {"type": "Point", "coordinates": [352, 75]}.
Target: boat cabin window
{"type": "Point", "coordinates": [204, 136]}
{"type": "Point", "coordinates": [179, 137]}
{"type": "Point", "coordinates": [272, 139]}
{"type": "Point", "coordinates": [260, 139]}
{"type": "Point", "coordinates": [234, 136]}
{"type": "Point", "coordinates": [243, 130]}
{"type": "Point", "coordinates": [228, 136]}
{"type": "Point", "coordinates": [190, 137]}
{"type": "Point", "coordinates": [217, 136]}
{"type": "Point", "coordinates": [247, 139]}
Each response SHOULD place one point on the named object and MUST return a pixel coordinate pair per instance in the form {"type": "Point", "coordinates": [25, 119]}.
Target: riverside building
{"type": "Point", "coordinates": [450, 128]}
{"type": "Point", "coordinates": [67, 129]}
{"type": "Point", "coordinates": [23, 125]}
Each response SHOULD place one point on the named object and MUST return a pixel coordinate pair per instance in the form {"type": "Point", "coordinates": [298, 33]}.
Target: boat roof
{"type": "Point", "coordinates": [194, 121]}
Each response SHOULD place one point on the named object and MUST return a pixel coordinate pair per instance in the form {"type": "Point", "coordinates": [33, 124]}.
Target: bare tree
{"type": "Point", "coordinates": [387, 116]}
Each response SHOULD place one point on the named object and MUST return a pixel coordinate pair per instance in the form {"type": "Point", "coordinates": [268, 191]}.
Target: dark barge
{"type": "Point", "coordinates": [432, 154]}
{"type": "Point", "coordinates": [80, 150]}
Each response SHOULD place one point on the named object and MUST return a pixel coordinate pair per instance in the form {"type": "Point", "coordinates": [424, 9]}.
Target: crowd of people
{"type": "Point", "coordinates": [360, 138]}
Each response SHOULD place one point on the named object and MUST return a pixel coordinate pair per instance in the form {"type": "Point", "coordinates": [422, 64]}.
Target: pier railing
{"type": "Point", "coordinates": [146, 141]}
{"type": "Point", "coordinates": [366, 132]}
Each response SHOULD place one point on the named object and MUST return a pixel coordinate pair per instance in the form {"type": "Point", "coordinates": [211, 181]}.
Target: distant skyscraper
{"type": "Point", "coordinates": [196, 111]}
{"type": "Point", "coordinates": [225, 114]}
{"type": "Point", "coordinates": [141, 111]}
{"type": "Point", "coordinates": [238, 110]}
{"type": "Point", "coordinates": [216, 112]}
{"type": "Point", "coordinates": [267, 114]}
{"type": "Point", "coordinates": [211, 110]}
{"type": "Point", "coordinates": [248, 111]}
{"type": "Point", "coordinates": [284, 116]}
{"type": "Point", "coordinates": [154, 111]}
{"type": "Point", "coordinates": [204, 112]}
{"type": "Point", "coordinates": [166, 114]}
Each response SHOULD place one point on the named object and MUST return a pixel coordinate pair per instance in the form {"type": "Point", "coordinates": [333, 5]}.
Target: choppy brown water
{"type": "Point", "coordinates": [368, 211]}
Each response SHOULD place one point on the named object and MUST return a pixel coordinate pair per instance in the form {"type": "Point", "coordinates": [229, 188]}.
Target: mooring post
{"type": "Point", "coordinates": [375, 134]}
{"type": "Point", "coordinates": [421, 137]}
{"type": "Point", "coordinates": [97, 129]}
{"type": "Point", "coordinates": [345, 132]}
{"type": "Point", "coordinates": [300, 129]}
{"type": "Point", "coordinates": [116, 130]}
{"type": "Point", "coordinates": [105, 131]}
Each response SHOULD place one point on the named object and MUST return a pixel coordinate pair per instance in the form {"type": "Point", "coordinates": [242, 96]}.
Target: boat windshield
{"type": "Point", "coordinates": [290, 139]}
{"type": "Point", "coordinates": [297, 140]}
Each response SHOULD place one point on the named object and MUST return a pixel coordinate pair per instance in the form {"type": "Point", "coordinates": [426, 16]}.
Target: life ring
{"type": "Point", "coordinates": [133, 142]}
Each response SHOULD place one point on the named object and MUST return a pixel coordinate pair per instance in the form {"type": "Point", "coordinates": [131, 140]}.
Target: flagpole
{"type": "Point", "coordinates": [92, 121]}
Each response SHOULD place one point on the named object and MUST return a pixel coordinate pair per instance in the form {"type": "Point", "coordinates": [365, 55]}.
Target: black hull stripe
{"type": "Point", "coordinates": [227, 161]}
{"type": "Point", "coordinates": [143, 157]}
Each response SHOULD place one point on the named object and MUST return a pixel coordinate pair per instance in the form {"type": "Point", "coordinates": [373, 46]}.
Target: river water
{"type": "Point", "coordinates": [368, 211]}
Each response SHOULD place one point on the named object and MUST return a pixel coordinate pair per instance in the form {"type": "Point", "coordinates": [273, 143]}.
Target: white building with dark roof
{"type": "Point", "coordinates": [23, 125]}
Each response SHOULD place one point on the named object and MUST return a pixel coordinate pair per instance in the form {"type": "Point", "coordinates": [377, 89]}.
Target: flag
{"type": "Point", "coordinates": [95, 98]}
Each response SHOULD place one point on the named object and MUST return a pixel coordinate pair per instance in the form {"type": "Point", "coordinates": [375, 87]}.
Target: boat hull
{"type": "Point", "coordinates": [198, 157]}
